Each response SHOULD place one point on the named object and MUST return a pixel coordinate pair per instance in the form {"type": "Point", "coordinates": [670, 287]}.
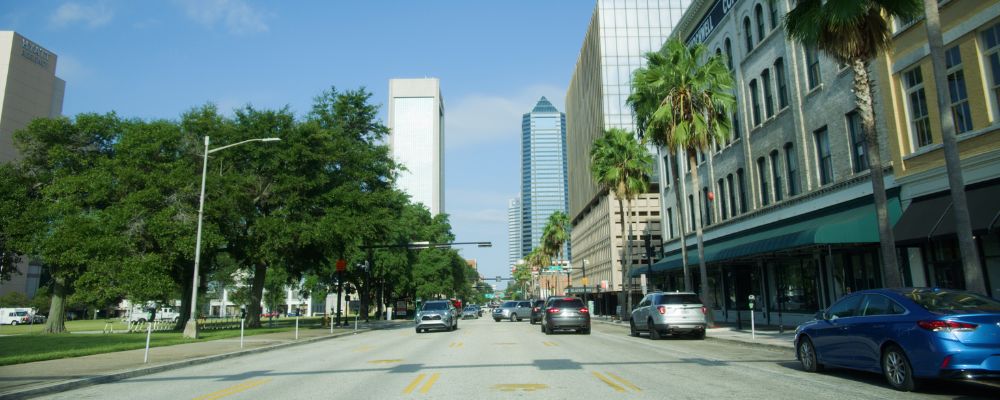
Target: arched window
{"type": "Point", "coordinates": [754, 103]}
{"type": "Point", "coordinates": [791, 165]}
{"type": "Point", "coordinates": [721, 198]}
{"type": "Point", "coordinates": [772, 7]}
{"type": "Point", "coordinates": [759, 14]}
{"type": "Point", "coordinates": [706, 207]}
{"type": "Point", "coordinates": [729, 54]}
{"type": "Point", "coordinates": [765, 192]}
{"type": "Point", "coordinates": [742, 183]}
{"type": "Point", "coordinates": [765, 79]}
{"type": "Point", "coordinates": [732, 194]}
{"type": "Point", "coordinates": [776, 175]}
{"type": "Point", "coordinates": [748, 33]}
{"type": "Point", "coordinates": [779, 74]}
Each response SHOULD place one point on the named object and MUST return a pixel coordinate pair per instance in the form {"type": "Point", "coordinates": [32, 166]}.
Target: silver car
{"type": "Point", "coordinates": [437, 314]}
{"type": "Point", "coordinates": [514, 310]}
{"type": "Point", "coordinates": [663, 313]}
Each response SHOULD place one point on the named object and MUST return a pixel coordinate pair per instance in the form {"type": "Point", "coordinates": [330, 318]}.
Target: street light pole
{"type": "Point", "coordinates": [191, 328]}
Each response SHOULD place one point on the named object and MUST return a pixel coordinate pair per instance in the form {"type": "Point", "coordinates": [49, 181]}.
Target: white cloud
{"type": "Point", "coordinates": [483, 118]}
{"type": "Point", "coordinates": [92, 16]}
{"type": "Point", "coordinates": [237, 16]}
{"type": "Point", "coordinates": [70, 69]}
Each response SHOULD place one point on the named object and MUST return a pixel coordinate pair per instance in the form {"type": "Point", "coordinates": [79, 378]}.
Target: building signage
{"type": "Point", "coordinates": [710, 21]}
{"type": "Point", "coordinates": [35, 53]}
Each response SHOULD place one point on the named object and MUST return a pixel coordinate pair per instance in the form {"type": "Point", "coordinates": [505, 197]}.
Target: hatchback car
{"type": "Point", "coordinates": [514, 310]}
{"type": "Point", "coordinates": [566, 313]}
{"type": "Point", "coordinates": [437, 314]}
{"type": "Point", "coordinates": [906, 334]}
{"type": "Point", "coordinates": [536, 311]}
{"type": "Point", "coordinates": [664, 313]}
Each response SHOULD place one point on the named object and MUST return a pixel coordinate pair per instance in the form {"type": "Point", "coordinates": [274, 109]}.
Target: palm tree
{"type": "Point", "coordinates": [854, 33]}
{"type": "Point", "coordinates": [555, 235]}
{"type": "Point", "coordinates": [680, 103]}
{"type": "Point", "coordinates": [622, 165]}
{"type": "Point", "coordinates": [960, 207]}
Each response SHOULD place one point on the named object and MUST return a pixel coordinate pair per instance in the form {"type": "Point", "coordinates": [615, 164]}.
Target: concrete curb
{"type": "Point", "coordinates": [117, 376]}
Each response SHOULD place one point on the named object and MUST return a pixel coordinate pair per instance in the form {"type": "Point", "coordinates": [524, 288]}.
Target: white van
{"type": "Point", "coordinates": [140, 313]}
{"type": "Point", "coordinates": [14, 316]}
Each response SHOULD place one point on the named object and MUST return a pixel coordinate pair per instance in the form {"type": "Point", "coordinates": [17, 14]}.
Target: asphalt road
{"type": "Point", "coordinates": [484, 359]}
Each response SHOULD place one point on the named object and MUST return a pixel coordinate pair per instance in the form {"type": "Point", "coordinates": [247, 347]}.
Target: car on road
{"type": "Point", "coordinates": [565, 313]}
{"type": "Point", "coordinates": [470, 312]}
{"type": "Point", "coordinates": [536, 311]}
{"type": "Point", "coordinates": [437, 314]}
{"type": "Point", "coordinates": [514, 310]}
{"type": "Point", "coordinates": [907, 334]}
{"type": "Point", "coordinates": [669, 313]}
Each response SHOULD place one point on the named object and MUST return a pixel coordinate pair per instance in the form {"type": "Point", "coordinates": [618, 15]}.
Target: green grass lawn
{"type": "Point", "coordinates": [30, 345]}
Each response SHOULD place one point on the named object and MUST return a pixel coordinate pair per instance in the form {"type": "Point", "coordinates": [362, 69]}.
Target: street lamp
{"type": "Point", "coordinates": [191, 328]}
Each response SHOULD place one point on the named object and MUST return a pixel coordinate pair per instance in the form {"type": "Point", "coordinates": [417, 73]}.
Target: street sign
{"type": "Point", "coordinates": [489, 295]}
{"type": "Point", "coordinates": [341, 265]}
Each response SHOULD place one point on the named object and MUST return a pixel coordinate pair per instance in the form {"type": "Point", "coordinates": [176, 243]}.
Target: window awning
{"type": "Point", "coordinates": [847, 225]}
{"type": "Point", "coordinates": [930, 217]}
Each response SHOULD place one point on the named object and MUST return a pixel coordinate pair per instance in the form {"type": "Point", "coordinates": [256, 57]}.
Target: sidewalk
{"type": "Point", "coordinates": [762, 336]}
{"type": "Point", "coordinates": [52, 376]}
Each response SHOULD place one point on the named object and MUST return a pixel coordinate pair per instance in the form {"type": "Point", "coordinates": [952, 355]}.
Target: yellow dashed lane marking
{"type": "Point", "coordinates": [384, 361]}
{"type": "Point", "coordinates": [363, 349]}
{"type": "Point", "coordinates": [550, 344]}
{"type": "Point", "coordinates": [455, 345]}
{"type": "Point", "coordinates": [608, 382]}
{"type": "Point", "coordinates": [234, 389]}
{"type": "Point", "coordinates": [524, 387]}
{"type": "Point", "coordinates": [416, 382]}
{"type": "Point", "coordinates": [621, 380]}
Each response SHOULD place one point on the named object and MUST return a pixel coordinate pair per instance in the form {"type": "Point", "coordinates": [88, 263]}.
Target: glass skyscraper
{"type": "Point", "coordinates": [543, 171]}
{"type": "Point", "coordinates": [514, 230]}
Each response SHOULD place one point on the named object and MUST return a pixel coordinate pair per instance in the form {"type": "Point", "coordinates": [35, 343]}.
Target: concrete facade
{"type": "Point", "coordinates": [416, 139]}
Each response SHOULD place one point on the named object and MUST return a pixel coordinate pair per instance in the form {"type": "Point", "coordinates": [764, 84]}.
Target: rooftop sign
{"type": "Point", "coordinates": [710, 21]}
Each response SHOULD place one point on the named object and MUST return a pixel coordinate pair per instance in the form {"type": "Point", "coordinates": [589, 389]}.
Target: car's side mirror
{"type": "Point", "coordinates": [820, 315]}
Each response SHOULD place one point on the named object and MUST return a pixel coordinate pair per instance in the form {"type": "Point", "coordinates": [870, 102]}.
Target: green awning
{"type": "Point", "coordinates": [844, 224]}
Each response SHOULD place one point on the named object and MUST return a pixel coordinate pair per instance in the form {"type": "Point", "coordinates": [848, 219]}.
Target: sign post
{"type": "Point", "coordinates": [753, 332]}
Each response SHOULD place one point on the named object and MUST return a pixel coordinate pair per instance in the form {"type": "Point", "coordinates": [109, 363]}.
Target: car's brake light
{"type": "Point", "coordinates": [661, 309]}
{"type": "Point", "coordinates": [584, 310]}
{"type": "Point", "coordinates": [553, 310]}
{"type": "Point", "coordinates": [535, 309]}
{"type": "Point", "coordinates": [946, 326]}
{"type": "Point", "coordinates": [704, 310]}
{"type": "Point", "coordinates": [945, 362]}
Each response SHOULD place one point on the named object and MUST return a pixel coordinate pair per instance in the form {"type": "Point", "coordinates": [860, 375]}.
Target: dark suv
{"type": "Point", "coordinates": [565, 313]}
{"type": "Point", "coordinates": [537, 311]}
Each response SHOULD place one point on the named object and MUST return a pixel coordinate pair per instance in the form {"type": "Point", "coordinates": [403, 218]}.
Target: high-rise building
{"type": "Point", "coordinates": [514, 231]}
{"type": "Point", "coordinates": [29, 89]}
{"type": "Point", "coordinates": [620, 33]}
{"type": "Point", "coordinates": [416, 139]}
{"type": "Point", "coordinates": [543, 171]}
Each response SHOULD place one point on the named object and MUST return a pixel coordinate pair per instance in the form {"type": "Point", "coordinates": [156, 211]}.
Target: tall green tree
{"type": "Point", "coordinates": [622, 165]}
{"type": "Point", "coordinates": [555, 234]}
{"type": "Point", "coordinates": [682, 103]}
{"type": "Point", "coordinates": [973, 271]}
{"type": "Point", "coordinates": [13, 200]}
{"type": "Point", "coordinates": [854, 33]}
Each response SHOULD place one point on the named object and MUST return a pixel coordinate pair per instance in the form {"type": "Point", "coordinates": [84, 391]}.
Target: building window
{"type": "Point", "coordinates": [991, 44]}
{"type": "Point", "coordinates": [920, 124]}
{"type": "Point", "coordinates": [729, 54]}
{"type": "Point", "coordinates": [759, 14]}
{"type": "Point", "coordinates": [779, 74]}
{"type": "Point", "coordinates": [748, 33]}
{"type": "Point", "coordinates": [823, 157]}
{"type": "Point", "coordinates": [732, 193]}
{"type": "Point", "coordinates": [765, 78]}
{"type": "Point", "coordinates": [765, 195]}
{"type": "Point", "coordinates": [792, 165]}
{"type": "Point", "coordinates": [691, 211]}
{"type": "Point", "coordinates": [858, 144]}
{"type": "Point", "coordinates": [772, 7]}
{"type": "Point", "coordinates": [754, 103]}
{"type": "Point", "coordinates": [812, 67]}
{"type": "Point", "coordinates": [742, 182]}
{"type": "Point", "coordinates": [776, 175]}
{"type": "Point", "coordinates": [721, 198]}
{"type": "Point", "coordinates": [670, 222]}
{"type": "Point", "coordinates": [956, 87]}
{"type": "Point", "coordinates": [707, 207]}
{"type": "Point", "coordinates": [736, 125]}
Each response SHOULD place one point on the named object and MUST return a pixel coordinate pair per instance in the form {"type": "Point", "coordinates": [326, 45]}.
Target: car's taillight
{"type": "Point", "coordinates": [661, 309]}
{"type": "Point", "coordinates": [553, 310]}
{"type": "Point", "coordinates": [584, 310]}
{"type": "Point", "coordinates": [704, 310]}
{"type": "Point", "coordinates": [535, 309]}
{"type": "Point", "coordinates": [946, 326]}
{"type": "Point", "coordinates": [945, 362]}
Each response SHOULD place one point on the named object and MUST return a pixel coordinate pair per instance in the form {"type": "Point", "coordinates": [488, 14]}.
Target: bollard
{"type": "Point", "coordinates": [356, 323]}
{"type": "Point", "coordinates": [242, 321]}
{"type": "Point", "coordinates": [296, 328]}
{"type": "Point", "coordinates": [149, 334]}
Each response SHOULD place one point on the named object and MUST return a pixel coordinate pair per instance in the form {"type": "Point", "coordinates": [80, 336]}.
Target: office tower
{"type": "Point", "coordinates": [416, 139]}
{"type": "Point", "coordinates": [514, 231]}
{"type": "Point", "coordinates": [543, 171]}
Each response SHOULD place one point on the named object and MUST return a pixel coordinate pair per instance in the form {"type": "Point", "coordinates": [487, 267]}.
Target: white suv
{"type": "Point", "coordinates": [662, 313]}
{"type": "Point", "coordinates": [515, 310]}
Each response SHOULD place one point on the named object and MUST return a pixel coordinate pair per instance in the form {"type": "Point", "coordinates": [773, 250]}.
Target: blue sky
{"type": "Point", "coordinates": [495, 59]}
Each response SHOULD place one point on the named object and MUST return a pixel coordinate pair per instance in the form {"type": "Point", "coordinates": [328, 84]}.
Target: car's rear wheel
{"type": "Point", "coordinates": [548, 330]}
{"type": "Point", "coordinates": [807, 355]}
{"type": "Point", "coordinates": [585, 331]}
{"type": "Point", "coordinates": [654, 334]}
{"type": "Point", "coordinates": [513, 317]}
{"type": "Point", "coordinates": [896, 368]}
{"type": "Point", "coordinates": [496, 319]}
{"type": "Point", "coordinates": [698, 334]}
{"type": "Point", "coordinates": [420, 330]}
{"type": "Point", "coordinates": [631, 329]}
{"type": "Point", "coordinates": [542, 327]}
{"type": "Point", "coordinates": [13, 322]}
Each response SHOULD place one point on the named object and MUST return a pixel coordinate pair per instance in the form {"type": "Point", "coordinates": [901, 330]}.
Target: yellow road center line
{"type": "Point", "coordinates": [385, 361]}
{"type": "Point", "coordinates": [608, 382]}
{"type": "Point", "coordinates": [413, 384]}
{"type": "Point", "coordinates": [233, 389]}
{"type": "Point", "coordinates": [430, 382]}
{"type": "Point", "coordinates": [630, 385]}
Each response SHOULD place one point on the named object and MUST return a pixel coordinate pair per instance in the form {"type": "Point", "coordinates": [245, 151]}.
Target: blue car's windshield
{"type": "Point", "coordinates": [952, 302]}
{"type": "Point", "coordinates": [435, 306]}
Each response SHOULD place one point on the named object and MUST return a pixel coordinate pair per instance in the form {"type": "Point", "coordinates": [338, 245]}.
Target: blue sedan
{"type": "Point", "coordinates": [906, 334]}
